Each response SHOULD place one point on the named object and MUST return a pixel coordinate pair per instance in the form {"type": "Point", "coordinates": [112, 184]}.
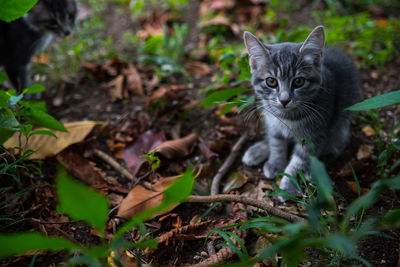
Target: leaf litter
{"type": "Point", "coordinates": [123, 80]}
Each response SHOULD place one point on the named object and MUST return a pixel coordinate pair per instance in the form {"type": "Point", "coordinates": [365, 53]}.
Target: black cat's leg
{"type": "Point", "coordinates": [19, 76]}
{"type": "Point", "coordinates": [277, 160]}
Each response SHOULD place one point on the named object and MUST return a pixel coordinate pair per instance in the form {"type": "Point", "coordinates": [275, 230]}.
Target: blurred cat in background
{"type": "Point", "coordinates": [22, 38]}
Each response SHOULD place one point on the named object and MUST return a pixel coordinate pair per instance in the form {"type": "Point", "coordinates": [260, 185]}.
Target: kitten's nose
{"type": "Point", "coordinates": [284, 99]}
{"type": "Point", "coordinates": [284, 102]}
{"type": "Point", "coordinates": [67, 32]}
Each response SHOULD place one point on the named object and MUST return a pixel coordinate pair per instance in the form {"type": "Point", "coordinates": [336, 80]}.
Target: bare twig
{"type": "Point", "coordinates": [248, 201]}
{"type": "Point", "coordinates": [227, 164]}
{"type": "Point", "coordinates": [120, 169]}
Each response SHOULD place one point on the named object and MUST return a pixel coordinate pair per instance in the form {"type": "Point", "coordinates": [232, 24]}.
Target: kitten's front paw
{"type": "Point", "coordinates": [289, 187]}
{"type": "Point", "coordinates": [271, 170]}
{"type": "Point", "coordinates": [256, 154]}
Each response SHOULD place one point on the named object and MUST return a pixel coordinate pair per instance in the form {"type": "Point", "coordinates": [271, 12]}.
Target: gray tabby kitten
{"type": "Point", "coordinates": [303, 89]}
{"type": "Point", "coordinates": [22, 38]}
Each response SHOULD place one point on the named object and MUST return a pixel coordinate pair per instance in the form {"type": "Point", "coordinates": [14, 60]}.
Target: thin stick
{"type": "Point", "coordinates": [119, 168]}
{"type": "Point", "coordinates": [248, 201]}
{"type": "Point", "coordinates": [227, 164]}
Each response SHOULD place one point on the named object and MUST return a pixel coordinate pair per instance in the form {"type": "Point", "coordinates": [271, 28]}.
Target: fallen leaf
{"type": "Point", "coordinates": [205, 149]}
{"type": "Point", "coordinates": [197, 69]}
{"type": "Point", "coordinates": [227, 131]}
{"type": "Point", "coordinates": [381, 23]}
{"type": "Point", "coordinates": [234, 181]}
{"type": "Point", "coordinates": [116, 148]}
{"type": "Point", "coordinates": [257, 192]}
{"type": "Point", "coordinates": [368, 131]}
{"type": "Point", "coordinates": [353, 186]}
{"type": "Point", "coordinates": [115, 88]}
{"type": "Point", "coordinates": [140, 199]}
{"type": "Point", "coordinates": [88, 173]}
{"type": "Point", "coordinates": [42, 58]}
{"type": "Point", "coordinates": [133, 80]}
{"type": "Point", "coordinates": [177, 148]}
{"type": "Point", "coordinates": [165, 91]}
{"type": "Point", "coordinates": [220, 146]}
{"type": "Point", "coordinates": [221, 21]}
{"type": "Point", "coordinates": [364, 151]}
{"type": "Point", "coordinates": [195, 219]}
{"type": "Point", "coordinates": [145, 143]}
{"type": "Point", "coordinates": [47, 146]}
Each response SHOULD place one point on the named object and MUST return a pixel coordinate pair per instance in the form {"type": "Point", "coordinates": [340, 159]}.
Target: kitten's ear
{"type": "Point", "coordinates": [312, 47]}
{"type": "Point", "coordinates": [258, 53]}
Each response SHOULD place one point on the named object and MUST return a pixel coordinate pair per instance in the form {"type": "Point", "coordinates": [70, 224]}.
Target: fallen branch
{"type": "Point", "coordinates": [227, 164]}
{"type": "Point", "coordinates": [248, 201]}
{"type": "Point", "coordinates": [119, 168]}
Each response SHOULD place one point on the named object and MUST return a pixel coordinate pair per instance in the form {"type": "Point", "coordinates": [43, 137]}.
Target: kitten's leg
{"type": "Point", "coordinates": [299, 161]}
{"type": "Point", "coordinates": [19, 76]}
{"type": "Point", "coordinates": [278, 156]}
{"type": "Point", "coordinates": [256, 154]}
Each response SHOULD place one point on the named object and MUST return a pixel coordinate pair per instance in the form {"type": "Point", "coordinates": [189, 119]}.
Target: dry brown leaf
{"type": "Point", "coordinates": [145, 143]}
{"type": "Point", "coordinates": [87, 172]}
{"type": "Point", "coordinates": [42, 58]}
{"type": "Point", "coordinates": [165, 91]}
{"type": "Point", "coordinates": [368, 131]}
{"type": "Point", "coordinates": [47, 146]}
{"type": "Point", "coordinates": [353, 186]}
{"type": "Point", "coordinates": [115, 88]}
{"type": "Point", "coordinates": [234, 181]}
{"type": "Point", "coordinates": [258, 192]}
{"type": "Point", "coordinates": [133, 80]}
{"type": "Point", "coordinates": [197, 69]}
{"type": "Point", "coordinates": [177, 148]}
{"type": "Point", "coordinates": [140, 199]}
{"type": "Point", "coordinates": [364, 151]}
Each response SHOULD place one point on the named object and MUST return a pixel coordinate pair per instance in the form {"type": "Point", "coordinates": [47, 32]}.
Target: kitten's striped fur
{"type": "Point", "coordinates": [292, 113]}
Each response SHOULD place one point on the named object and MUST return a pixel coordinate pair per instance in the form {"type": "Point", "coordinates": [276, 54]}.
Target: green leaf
{"type": "Point", "coordinates": [16, 244]}
{"type": "Point", "coordinates": [25, 129]}
{"type": "Point", "coordinates": [4, 97]}
{"type": "Point", "coordinates": [8, 124]}
{"type": "Point", "coordinates": [392, 218]}
{"type": "Point", "coordinates": [180, 189]}
{"type": "Point", "coordinates": [221, 96]}
{"type": "Point", "coordinates": [34, 88]}
{"type": "Point", "coordinates": [363, 202]}
{"type": "Point", "coordinates": [43, 132]}
{"type": "Point", "coordinates": [321, 179]}
{"type": "Point", "coordinates": [380, 101]}
{"type": "Point", "coordinates": [81, 202]}
{"type": "Point", "coordinates": [40, 118]}
{"type": "Point", "coordinates": [341, 243]}
{"type": "Point", "coordinates": [7, 119]}
{"type": "Point", "coordinates": [3, 77]}
{"type": "Point", "coordinates": [11, 10]}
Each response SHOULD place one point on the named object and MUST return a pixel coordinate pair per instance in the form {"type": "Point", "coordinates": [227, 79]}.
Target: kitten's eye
{"type": "Point", "coordinates": [298, 82]}
{"type": "Point", "coordinates": [271, 82]}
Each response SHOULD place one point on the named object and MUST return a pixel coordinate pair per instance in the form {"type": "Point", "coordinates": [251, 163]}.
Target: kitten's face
{"type": "Point", "coordinates": [55, 16]}
{"type": "Point", "coordinates": [285, 76]}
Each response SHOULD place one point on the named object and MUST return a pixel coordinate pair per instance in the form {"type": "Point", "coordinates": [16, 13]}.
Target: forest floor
{"type": "Point", "coordinates": [135, 103]}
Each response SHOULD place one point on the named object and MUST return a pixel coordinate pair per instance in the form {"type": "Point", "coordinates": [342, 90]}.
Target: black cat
{"type": "Point", "coordinates": [22, 38]}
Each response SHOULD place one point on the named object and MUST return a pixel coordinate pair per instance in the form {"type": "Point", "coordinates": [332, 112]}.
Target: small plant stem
{"type": "Point", "coordinates": [119, 168]}
{"type": "Point", "coordinates": [248, 201]}
{"type": "Point", "coordinates": [227, 164]}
